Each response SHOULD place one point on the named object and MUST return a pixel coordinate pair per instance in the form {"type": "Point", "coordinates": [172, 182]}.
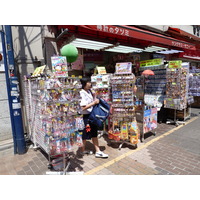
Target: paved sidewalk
{"type": "Point", "coordinates": [176, 152]}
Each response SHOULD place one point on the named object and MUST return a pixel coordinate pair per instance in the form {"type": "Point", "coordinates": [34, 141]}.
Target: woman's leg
{"type": "Point", "coordinates": [83, 147]}
{"type": "Point", "coordinates": [96, 143]}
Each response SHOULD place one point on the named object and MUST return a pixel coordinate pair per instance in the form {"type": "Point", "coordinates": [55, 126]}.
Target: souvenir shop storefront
{"type": "Point", "coordinates": [130, 68]}
{"type": "Point", "coordinates": [107, 45]}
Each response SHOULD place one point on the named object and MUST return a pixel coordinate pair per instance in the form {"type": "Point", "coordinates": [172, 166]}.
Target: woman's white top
{"type": "Point", "coordinates": [86, 98]}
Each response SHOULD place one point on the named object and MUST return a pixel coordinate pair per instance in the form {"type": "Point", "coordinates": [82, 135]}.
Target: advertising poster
{"type": "Point", "coordinates": [123, 68]}
{"type": "Point", "coordinates": [59, 66]}
{"type": "Point", "coordinates": [150, 120]}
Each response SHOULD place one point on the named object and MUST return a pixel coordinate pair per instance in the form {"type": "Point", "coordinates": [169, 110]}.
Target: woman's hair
{"type": "Point", "coordinates": [84, 81]}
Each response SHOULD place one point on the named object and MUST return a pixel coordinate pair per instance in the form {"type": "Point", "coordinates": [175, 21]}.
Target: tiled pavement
{"type": "Point", "coordinates": [176, 153]}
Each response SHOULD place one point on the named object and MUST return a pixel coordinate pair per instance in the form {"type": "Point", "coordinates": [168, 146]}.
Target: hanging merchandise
{"type": "Point", "coordinates": [54, 123]}
{"type": "Point", "coordinates": [123, 111]}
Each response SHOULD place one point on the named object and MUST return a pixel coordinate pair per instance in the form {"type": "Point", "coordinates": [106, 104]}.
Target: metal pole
{"type": "Point", "coordinates": [14, 94]}
{"type": "Point", "coordinates": [8, 88]}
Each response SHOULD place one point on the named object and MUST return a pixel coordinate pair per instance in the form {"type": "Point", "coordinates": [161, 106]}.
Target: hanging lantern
{"type": "Point", "coordinates": [1, 57]}
{"type": "Point", "coordinates": [70, 52]}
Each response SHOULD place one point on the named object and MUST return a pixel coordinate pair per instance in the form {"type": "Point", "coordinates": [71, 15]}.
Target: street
{"type": "Point", "coordinates": [173, 151]}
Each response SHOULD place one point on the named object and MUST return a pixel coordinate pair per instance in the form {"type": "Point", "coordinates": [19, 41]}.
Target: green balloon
{"type": "Point", "coordinates": [70, 51]}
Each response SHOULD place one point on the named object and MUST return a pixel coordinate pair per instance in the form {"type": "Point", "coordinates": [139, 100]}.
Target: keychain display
{"type": "Point", "coordinates": [56, 124]}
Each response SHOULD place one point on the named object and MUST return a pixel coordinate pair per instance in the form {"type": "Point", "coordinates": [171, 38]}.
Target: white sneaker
{"type": "Point", "coordinates": [100, 154]}
{"type": "Point", "coordinates": [86, 153]}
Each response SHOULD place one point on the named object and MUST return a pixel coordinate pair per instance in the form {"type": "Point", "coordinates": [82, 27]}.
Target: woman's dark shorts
{"type": "Point", "coordinates": [90, 134]}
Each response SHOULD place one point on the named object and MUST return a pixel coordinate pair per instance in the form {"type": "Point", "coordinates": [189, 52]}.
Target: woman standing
{"type": "Point", "coordinates": [88, 100]}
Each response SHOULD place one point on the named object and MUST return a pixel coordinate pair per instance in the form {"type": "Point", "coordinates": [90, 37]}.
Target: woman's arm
{"type": "Point", "coordinates": [96, 101]}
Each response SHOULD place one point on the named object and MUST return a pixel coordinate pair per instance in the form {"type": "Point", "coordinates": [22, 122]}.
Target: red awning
{"type": "Point", "coordinates": [180, 32]}
{"type": "Point", "coordinates": [124, 31]}
{"type": "Point", "coordinates": [190, 55]}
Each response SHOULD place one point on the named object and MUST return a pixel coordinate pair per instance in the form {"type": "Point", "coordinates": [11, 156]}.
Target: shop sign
{"type": "Point", "coordinates": [123, 68]}
{"type": "Point", "coordinates": [152, 62]}
{"type": "Point", "coordinates": [181, 45]}
{"type": "Point", "coordinates": [113, 29]}
{"type": "Point", "coordinates": [175, 64]}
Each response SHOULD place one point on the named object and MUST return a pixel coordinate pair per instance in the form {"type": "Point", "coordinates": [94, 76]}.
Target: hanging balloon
{"type": "Point", "coordinates": [70, 52]}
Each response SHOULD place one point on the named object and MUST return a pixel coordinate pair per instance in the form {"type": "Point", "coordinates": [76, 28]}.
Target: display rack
{"type": "Point", "coordinates": [177, 75]}
{"type": "Point", "coordinates": [155, 86]}
{"type": "Point", "coordinates": [146, 113]}
{"type": "Point", "coordinates": [101, 88]}
{"type": "Point", "coordinates": [194, 82]}
{"type": "Point", "coordinates": [51, 107]}
{"type": "Point", "coordinates": [124, 126]}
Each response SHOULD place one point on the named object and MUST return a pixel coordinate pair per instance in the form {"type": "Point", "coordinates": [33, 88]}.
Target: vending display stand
{"type": "Point", "coordinates": [54, 124]}
{"type": "Point", "coordinates": [123, 127]}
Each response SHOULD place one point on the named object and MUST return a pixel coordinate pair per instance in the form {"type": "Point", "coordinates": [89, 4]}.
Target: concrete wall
{"type": "Point", "coordinates": [28, 53]}
{"type": "Point", "coordinates": [50, 47]}
{"type": "Point", "coordinates": [5, 124]}
{"type": "Point", "coordinates": [33, 47]}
